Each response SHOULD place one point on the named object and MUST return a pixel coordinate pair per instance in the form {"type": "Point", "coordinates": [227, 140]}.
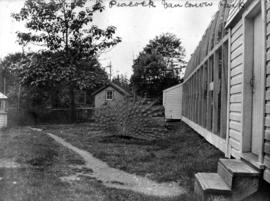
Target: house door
{"type": "Point", "coordinates": [256, 86]}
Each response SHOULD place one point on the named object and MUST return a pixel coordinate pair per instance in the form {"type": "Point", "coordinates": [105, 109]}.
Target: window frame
{"type": "Point", "coordinates": [107, 95]}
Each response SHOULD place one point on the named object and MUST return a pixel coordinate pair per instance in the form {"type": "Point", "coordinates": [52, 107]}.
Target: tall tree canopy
{"type": "Point", "coordinates": [71, 44]}
{"type": "Point", "coordinates": [8, 76]}
{"type": "Point", "coordinates": [65, 25]}
{"type": "Point", "coordinates": [122, 81]}
{"type": "Point", "coordinates": [158, 66]}
{"type": "Point", "coordinates": [170, 48]}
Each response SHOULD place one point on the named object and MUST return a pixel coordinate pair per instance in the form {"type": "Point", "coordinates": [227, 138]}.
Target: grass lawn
{"type": "Point", "coordinates": [177, 158]}
{"type": "Point", "coordinates": [31, 167]}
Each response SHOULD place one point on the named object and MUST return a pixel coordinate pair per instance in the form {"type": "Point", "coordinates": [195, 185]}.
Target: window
{"type": "Point", "coordinates": [109, 95]}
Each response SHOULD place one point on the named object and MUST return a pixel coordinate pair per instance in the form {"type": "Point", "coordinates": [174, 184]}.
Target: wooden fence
{"type": "Point", "coordinates": [54, 116]}
{"type": "Point", "coordinates": [205, 82]}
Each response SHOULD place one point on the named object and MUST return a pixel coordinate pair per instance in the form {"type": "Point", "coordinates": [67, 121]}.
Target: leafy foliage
{"type": "Point", "coordinates": [63, 24]}
{"type": "Point", "coordinates": [71, 45]}
{"type": "Point", "coordinates": [122, 81]}
{"type": "Point", "coordinates": [9, 81]}
{"type": "Point", "coordinates": [154, 69]}
{"type": "Point", "coordinates": [48, 70]}
{"type": "Point", "coordinates": [170, 48]}
{"type": "Point", "coordinates": [131, 118]}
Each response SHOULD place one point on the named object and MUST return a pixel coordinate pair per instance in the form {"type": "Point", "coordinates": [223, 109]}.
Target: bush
{"type": "Point", "coordinates": [131, 118]}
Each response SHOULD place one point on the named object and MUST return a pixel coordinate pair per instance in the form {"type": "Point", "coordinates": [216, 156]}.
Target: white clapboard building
{"type": "Point", "coordinates": [172, 102]}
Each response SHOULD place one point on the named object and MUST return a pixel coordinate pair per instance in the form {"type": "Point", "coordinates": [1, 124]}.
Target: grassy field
{"type": "Point", "coordinates": [31, 167]}
{"type": "Point", "coordinates": [32, 164]}
{"type": "Point", "coordinates": [177, 158]}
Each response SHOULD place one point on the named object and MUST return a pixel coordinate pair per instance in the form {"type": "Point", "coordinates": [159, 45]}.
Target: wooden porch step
{"type": "Point", "coordinates": [239, 176]}
{"type": "Point", "coordinates": [210, 187]}
{"type": "Point", "coordinates": [230, 168]}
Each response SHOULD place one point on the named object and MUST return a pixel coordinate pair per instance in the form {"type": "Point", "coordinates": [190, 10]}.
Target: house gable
{"type": "Point", "coordinates": [101, 96]}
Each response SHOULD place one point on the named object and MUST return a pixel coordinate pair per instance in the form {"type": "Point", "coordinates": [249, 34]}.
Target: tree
{"type": "Point", "coordinates": [170, 48]}
{"type": "Point", "coordinates": [27, 97]}
{"type": "Point", "coordinates": [47, 71]}
{"type": "Point", "coordinates": [154, 69]}
{"type": "Point", "coordinates": [71, 44]}
{"type": "Point", "coordinates": [122, 81]}
{"type": "Point", "coordinates": [9, 81]}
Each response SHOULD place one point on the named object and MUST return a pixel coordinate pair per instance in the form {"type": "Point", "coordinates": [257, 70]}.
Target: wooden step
{"type": "Point", "coordinates": [210, 187]}
{"type": "Point", "coordinates": [239, 176]}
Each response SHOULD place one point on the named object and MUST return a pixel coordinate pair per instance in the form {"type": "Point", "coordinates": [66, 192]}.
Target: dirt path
{"type": "Point", "coordinates": [115, 178]}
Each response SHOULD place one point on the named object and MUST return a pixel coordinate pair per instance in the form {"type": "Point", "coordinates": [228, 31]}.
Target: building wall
{"type": "Point", "coordinates": [235, 89]}
{"type": "Point", "coordinates": [100, 98]}
{"type": "Point", "coordinates": [238, 69]}
{"type": "Point", "coordinates": [3, 119]}
{"type": "Point", "coordinates": [172, 102]}
{"type": "Point", "coordinates": [267, 98]}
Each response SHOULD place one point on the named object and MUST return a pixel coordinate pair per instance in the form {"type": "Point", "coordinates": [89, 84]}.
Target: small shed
{"type": "Point", "coordinates": [3, 110]}
{"type": "Point", "coordinates": [172, 102]}
{"type": "Point", "coordinates": [110, 93]}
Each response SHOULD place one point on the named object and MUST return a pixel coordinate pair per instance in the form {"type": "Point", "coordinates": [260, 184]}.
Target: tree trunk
{"type": "Point", "coordinates": [72, 104]}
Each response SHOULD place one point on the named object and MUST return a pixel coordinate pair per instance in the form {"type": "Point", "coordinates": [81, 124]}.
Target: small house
{"type": "Point", "coordinates": [172, 102]}
{"type": "Point", "coordinates": [111, 93]}
{"type": "Point", "coordinates": [3, 110]}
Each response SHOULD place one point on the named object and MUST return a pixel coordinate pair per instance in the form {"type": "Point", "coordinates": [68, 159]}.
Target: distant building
{"type": "Point", "coordinates": [3, 111]}
{"type": "Point", "coordinates": [172, 102]}
{"type": "Point", "coordinates": [110, 94]}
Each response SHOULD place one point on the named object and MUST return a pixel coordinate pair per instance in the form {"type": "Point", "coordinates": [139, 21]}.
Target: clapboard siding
{"type": "Point", "coordinates": [235, 107]}
{"type": "Point", "coordinates": [235, 152]}
{"type": "Point", "coordinates": [237, 61]}
{"type": "Point", "coordinates": [238, 70]}
{"type": "Point", "coordinates": [235, 116]}
{"type": "Point", "coordinates": [3, 120]}
{"type": "Point", "coordinates": [236, 90]}
{"type": "Point", "coordinates": [235, 125]}
{"type": "Point", "coordinates": [172, 102]}
{"type": "Point", "coordinates": [236, 98]}
{"type": "Point", "coordinates": [236, 80]}
{"type": "Point", "coordinates": [236, 36]}
{"type": "Point", "coordinates": [237, 44]}
{"type": "Point", "coordinates": [238, 51]}
{"type": "Point", "coordinates": [235, 135]}
{"type": "Point", "coordinates": [235, 143]}
{"type": "Point", "coordinates": [267, 99]}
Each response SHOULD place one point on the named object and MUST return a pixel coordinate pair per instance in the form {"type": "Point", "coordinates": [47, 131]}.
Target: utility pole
{"type": "Point", "coordinates": [110, 72]}
{"type": "Point", "coordinates": [5, 85]}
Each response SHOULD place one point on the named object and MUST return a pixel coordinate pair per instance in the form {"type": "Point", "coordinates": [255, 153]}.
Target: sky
{"type": "Point", "coordinates": [135, 25]}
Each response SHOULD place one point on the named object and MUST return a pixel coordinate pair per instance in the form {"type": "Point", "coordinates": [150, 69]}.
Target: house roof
{"type": "Point", "coordinates": [2, 96]}
{"type": "Point", "coordinates": [115, 86]}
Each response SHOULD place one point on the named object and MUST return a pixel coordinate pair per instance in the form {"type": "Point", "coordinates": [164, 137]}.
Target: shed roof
{"type": "Point", "coordinates": [173, 87]}
{"type": "Point", "coordinates": [115, 86]}
{"type": "Point", "coordinates": [2, 96]}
